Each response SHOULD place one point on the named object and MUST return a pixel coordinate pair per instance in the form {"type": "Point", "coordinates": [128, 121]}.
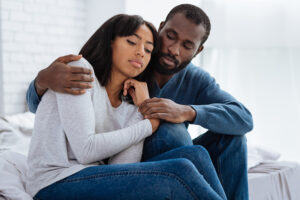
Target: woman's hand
{"type": "Point", "coordinates": [155, 124]}
{"type": "Point", "coordinates": [137, 90]}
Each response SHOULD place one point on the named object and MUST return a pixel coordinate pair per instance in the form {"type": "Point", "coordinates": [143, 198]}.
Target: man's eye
{"type": "Point", "coordinates": [131, 43]}
{"type": "Point", "coordinates": [170, 36]}
{"type": "Point", "coordinates": [188, 47]}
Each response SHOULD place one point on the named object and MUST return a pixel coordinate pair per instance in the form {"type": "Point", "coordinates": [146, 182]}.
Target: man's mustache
{"type": "Point", "coordinates": [171, 57]}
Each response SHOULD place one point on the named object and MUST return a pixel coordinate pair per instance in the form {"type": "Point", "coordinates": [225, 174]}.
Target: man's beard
{"type": "Point", "coordinates": [164, 70]}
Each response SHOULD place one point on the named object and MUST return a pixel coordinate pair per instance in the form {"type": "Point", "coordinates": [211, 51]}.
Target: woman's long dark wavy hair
{"type": "Point", "coordinates": [98, 52]}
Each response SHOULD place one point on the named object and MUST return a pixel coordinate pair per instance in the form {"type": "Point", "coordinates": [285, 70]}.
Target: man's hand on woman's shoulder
{"type": "Point", "coordinates": [63, 78]}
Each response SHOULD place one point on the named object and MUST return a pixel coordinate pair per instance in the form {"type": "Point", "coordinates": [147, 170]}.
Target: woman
{"type": "Point", "coordinates": [89, 146]}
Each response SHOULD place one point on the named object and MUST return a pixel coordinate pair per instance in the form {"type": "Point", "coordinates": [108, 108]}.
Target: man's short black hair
{"type": "Point", "coordinates": [193, 13]}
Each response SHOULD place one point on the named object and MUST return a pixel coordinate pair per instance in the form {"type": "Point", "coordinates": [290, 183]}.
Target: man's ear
{"type": "Point", "coordinates": [199, 50]}
{"type": "Point", "coordinates": [162, 24]}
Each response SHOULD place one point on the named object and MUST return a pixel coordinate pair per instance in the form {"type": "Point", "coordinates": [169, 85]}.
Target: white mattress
{"type": "Point", "coordinates": [275, 180]}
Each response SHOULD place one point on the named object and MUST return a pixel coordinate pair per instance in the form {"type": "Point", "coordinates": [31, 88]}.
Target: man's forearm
{"type": "Point", "coordinates": [40, 88]}
{"type": "Point", "coordinates": [228, 118]}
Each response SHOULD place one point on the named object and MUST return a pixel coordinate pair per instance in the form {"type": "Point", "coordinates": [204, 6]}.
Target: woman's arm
{"type": "Point", "coordinates": [77, 116]}
{"type": "Point", "coordinates": [78, 121]}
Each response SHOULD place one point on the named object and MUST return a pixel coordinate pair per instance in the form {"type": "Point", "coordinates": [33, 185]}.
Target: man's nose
{"type": "Point", "coordinates": [174, 49]}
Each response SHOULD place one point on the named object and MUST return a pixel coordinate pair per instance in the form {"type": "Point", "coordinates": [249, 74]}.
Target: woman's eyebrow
{"type": "Point", "coordinates": [139, 37]}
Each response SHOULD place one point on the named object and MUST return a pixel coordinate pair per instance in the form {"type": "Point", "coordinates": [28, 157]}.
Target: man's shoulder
{"type": "Point", "coordinates": [193, 71]}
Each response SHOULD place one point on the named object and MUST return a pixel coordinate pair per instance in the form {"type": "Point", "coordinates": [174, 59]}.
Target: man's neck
{"type": "Point", "coordinates": [162, 79]}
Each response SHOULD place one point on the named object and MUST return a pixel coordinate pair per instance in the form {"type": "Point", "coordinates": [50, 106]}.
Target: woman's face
{"type": "Point", "coordinates": [131, 54]}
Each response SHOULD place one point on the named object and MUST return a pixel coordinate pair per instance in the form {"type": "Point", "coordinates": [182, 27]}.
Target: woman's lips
{"type": "Point", "coordinates": [135, 63]}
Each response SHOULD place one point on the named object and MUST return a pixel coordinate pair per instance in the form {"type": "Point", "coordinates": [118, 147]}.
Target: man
{"type": "Point", "coordinates": [183, 94]}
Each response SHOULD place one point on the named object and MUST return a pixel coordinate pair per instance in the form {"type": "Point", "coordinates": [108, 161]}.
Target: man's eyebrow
{"type": "Point", "coordinates": [139, 37]}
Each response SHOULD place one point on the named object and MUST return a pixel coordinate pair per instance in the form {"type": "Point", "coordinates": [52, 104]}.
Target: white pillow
{"type": "Point", "coordinates": [257, 155]}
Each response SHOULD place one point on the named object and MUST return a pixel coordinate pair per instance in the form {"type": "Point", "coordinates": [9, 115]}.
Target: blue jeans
{"type": "Point", "coordinates": [228, 154]}
{"type": "Point", "coordinates": [182, 173]}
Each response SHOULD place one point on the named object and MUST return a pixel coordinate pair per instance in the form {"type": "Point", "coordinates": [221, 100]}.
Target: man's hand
{"type": "Point", "coordinates": [63, 78]}
{"type": "Point", "coordinates": [168, 110]}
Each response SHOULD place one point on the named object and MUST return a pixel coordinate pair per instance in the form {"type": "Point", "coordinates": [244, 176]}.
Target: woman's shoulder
{"type": "Point", "coordinates": [82, 62]}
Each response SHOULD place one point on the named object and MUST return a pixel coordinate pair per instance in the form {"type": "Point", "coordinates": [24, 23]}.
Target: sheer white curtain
{"type": "Point", "coordinates": [254, 53]}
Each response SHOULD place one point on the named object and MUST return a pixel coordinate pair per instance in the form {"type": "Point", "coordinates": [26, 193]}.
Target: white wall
{"type": "Point", "coordinates": [98, 11]}
{"type": "Point", "coordinates": [1, 72]}
{"type": "Point", "coordinates": [255, 56]}
{"type": "Point", "coordinates": [34, 33]}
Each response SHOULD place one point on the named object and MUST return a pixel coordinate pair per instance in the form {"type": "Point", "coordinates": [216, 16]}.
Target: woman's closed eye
{"type": "Point", "coordinates": [148, 51]}
{"type": "Point", "coordinates": [131, 42]}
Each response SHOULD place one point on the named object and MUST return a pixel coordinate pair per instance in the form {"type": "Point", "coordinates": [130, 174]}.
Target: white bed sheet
{"type": "Point", "coordinates": [275, 180]}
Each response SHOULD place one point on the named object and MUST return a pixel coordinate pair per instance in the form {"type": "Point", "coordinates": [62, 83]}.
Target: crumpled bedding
{"type": "Point", "coordinates": [13, 167]}
{"type": "Point", "coordinates": [275, 180]}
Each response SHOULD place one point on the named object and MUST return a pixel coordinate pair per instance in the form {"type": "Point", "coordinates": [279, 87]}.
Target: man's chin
{"type": "Point", "coordinates": [169, 70]}
{"type": "Point", "coordinates": [166, 70]}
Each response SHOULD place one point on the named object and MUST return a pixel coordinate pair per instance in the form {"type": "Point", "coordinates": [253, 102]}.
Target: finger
{"type": "Point", "coordinates": [80, 70]}
{"type": "Point", "coordinates": [81, 77]}
{"type": "Point", "coordinates": [74, 92]}
{"type": "Point", "coordinates": [153, 110]}
{"type": "Point", "coordinates": [144, 107]}
{"type": "Point", "coordinates": [161, 116]}
{"type": "Point", "coordinates": [127, 84]}
{"type": "Point", "coordinates": [125, 88]}
{"type": "Point", "coordinates": [132, 93]}
{"type": "Point", "coordinates": [79, 85]}
{"type": "Point", "coordinates": [152, 100]}
{"type": "Point", "coordinates": [69, 58]}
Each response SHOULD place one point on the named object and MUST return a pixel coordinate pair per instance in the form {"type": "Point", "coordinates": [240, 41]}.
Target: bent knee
{"type": "Point", "coordinates": [196, 150]}
{"type": "Point", "coordinates": [184, 163]}
{"type": "Point", "coordinates": [173, 135]}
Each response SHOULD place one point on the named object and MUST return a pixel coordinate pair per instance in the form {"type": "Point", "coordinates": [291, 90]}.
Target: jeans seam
{"type": "Point", "coordinates": [218, 165]}
{"type": "Point", "coordinates": [172, 175]}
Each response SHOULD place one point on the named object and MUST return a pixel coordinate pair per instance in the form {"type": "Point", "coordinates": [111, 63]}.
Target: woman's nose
{"type": "Point", "coordinates": [140, 50]}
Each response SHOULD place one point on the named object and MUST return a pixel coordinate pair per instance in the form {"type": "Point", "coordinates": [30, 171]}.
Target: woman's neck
{"type": "Point", "coordinates": [114, 87]}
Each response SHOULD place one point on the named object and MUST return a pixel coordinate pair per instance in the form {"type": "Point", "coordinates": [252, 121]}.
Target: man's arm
{"type": "Point", "coordinates": [204, 104]}
{"type": "Point", "coordinates": [32, 98]}
{"type": "Point", "coordinates": [59, 77]}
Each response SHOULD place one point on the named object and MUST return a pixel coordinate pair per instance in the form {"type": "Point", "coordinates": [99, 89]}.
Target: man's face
{"type": "Point", "coordinates": [180, 41]}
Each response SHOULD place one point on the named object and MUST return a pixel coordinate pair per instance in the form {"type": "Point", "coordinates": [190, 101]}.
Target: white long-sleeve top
{"type": "Point", "coordinates": [74, 132]}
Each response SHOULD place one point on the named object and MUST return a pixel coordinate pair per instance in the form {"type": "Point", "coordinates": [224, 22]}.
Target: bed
{"type": "Point", "coordinates": [274, 180]}
{"type": "Point", "coordinates": [269, 179]}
